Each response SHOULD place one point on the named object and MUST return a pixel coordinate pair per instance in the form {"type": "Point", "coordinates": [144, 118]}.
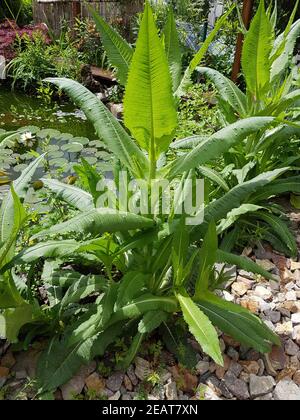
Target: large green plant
{"type": "Point", "coordinates": [269, 72]}
{"type": "Point", "coordinates": [120, 53]}
{"type": "Point", "coordinates": [165, 266]}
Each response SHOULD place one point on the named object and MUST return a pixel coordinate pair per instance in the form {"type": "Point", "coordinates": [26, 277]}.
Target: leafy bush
{"type": "Point", "coordinates": [270, 74]}
{"type": "Point", "coordinates": [19, 10]}
{"type": "Point", "coordinates": [37, 58]}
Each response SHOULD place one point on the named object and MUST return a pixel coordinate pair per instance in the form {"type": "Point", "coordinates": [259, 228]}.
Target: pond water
{"type": "Point", "coordinates": [19, 110]}
{"type": "Point", "coordinates": [61, 130]}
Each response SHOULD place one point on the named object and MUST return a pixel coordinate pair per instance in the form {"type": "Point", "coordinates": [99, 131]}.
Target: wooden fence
{"type": "Point", "coordinates": [54, 12]}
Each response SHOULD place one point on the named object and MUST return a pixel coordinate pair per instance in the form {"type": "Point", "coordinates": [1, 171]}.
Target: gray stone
{"type": "Point", "coordinates": [2, 382]}
{"type": "Point", "coordinates": [233, 354]}
{"type": "Point", "coordinates": [263, 292]}
{"type": "Point", "coordinates": [115, 397]}
{"type": "Point", "coordinates": [126, 397]}
{"type": "Point", "coordinates": [142, 368]}
{"type": "Point", "coordinates": [202, 367]}
{"type": "Point", "coordinates": [75, 386]}
{"type": "Point", "coordinates": [261, 385]}
{"type": "Point", "coordinates": [236, 386]}
{"type": "Point", "coordinates": [296, 334]}
{"type": "Point", "coordinates": [114, 382]}
{"type": "Point", "coordinates": [171, 391]}
{"type": "Point", "coordinates": [132, 376]}
{"type": "Point", "coordinates": [274, 317]}
{"type": "Point", "coordinates": [291, 296]}
{"type": "Point", "coordinates": [21, 374]}
{"type": "Point", "coordinates": [287, 390]}
{"type": "Point", "coordinates": [267, 397]}
{"type": "Point", "coordinates": [207, 394]}
{"type": "Point", "coordinates": [291, 348]}
{"type": "Point", "coordinates": [296, 318]}
{"type": "Point", "coordinates": [235, 368]}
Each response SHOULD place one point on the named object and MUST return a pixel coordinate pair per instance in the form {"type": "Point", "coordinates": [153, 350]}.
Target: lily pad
{"type": "Point", "coordinates": [20, 167]}
{"type": "Point", "coordinates": [56, 154]}
{"type": "Point", "coordinates": [82, 140]}
{"type": "Point", "coordinates": [48, 132]}
{"type": "Point", "coordinates": [91, 160]}
{"type": "Point", "coordinates": [58, 163]}
{"type": "Point", "coordinates": [104, 155]}
{"type": "Point", "coordinates": [72, 147]}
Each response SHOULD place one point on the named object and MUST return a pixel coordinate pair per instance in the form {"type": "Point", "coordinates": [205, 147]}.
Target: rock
{"type": "Point", "coordinates": [285, 374]}
{"type": "Point", "coordinates": [291, 348]}
{"type": "Point", "coordinates": [261, 367]}
{"type": "Point", "coordinates": [128, 383]}
{"type": "Point", "coordinates": [202, 367]}
{"type": "Point", "coordinates": [114, 382]}
{"type": "Point", "coordinates": [2, 382]}
{"type": "Point", "coordinates": [117, 110]}
{"type": "Point", "coordinates": [250, 304]}
{"type": "Point", "coordinates": [266, 264]}
{"type": "Point", "coordinates": [250, 366]}
{"type": "Point", "coordinates": [296, 378]}
{"type": "Point", "coordinates": [261, 385]}
{"type": "Point", "coordinates": [275, 360]}
{"type": "Point", "coordinates": [291, 306]}
{"type": "Point", "coordinates": [247, 274]}
{"type": "Point", "coordinates": [287, 390]}
{"type": "Point", "coordinates": [165, 376]}
{"type": "Point", "coordinates": [275, 285]}
{"type": "Point", "coordinates": [8, 360]}
{"type": "Point", "coordinates": [296, 334]}
{"type": "Point", "coordinates": [75, 386]}
{"type": "Point", "coordinates": [221, 370]}
{"type": "Point", "coordinates": [207, 394]}
{"type": "Point", "coordinates": [95, 383]}
{"type": "Point", "coordinates": [296, 318]}
{"type": "Point", "coordinates": [247, 252]}
{"type": "Point", "coordinates": [142, 368]}
{"type": "Point", "coordinates": [132, 375]}
{"type": "Point", "coordinates": [27, 361]}
{"type": "Point", "coordinates": [228, 296]}
{"type": "Point", "coordinates": [21, 374]}
{"type": "Point", "coordinates": [235, 368]}
{"type": "Point", "coordinates": [239, 288]}
{"type": "Point", "coordinates": [115, 397]}
{"type": "Point", "coordinates": [171, 391]}
{"type": "Point", "coordinates": [159, 392]}
{"type": "Point", "coordinates": [285, 329]}
{"type": "Point", "coordinates": [263, 292]}
{"type": "Point", "coordinates": [236, 386]}
{"type": "Point", "coordinates": [291, 296]}
{"type": "Point", "coordinates": [274, 317]}
{"type": "Point", "coordinates": [126, 397]}
{"type": "Point", "coordinates": [295, 266]}
{"type": "Point", "coordinates": [4, 372]}
{"type": "Point", "coordinates": [267, 397]}
{"type": "Point", "coordinates": [231, 341]}
{"type": "Point", "coordinates": [295, 362]}
{"type": "Point", "coordinates": [233, 354]}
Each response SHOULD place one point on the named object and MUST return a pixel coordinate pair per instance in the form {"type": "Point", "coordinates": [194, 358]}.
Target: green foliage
{"type": "Point", "coordinates": [141, 271]}
{"type": "Point", "coordinates": [36, 59]}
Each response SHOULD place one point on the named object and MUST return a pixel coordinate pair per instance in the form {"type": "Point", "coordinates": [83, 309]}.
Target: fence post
{"type": "Point", "coordinates": [247, 14]}
{"type": "Point", "coordinates": [76, 10]}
